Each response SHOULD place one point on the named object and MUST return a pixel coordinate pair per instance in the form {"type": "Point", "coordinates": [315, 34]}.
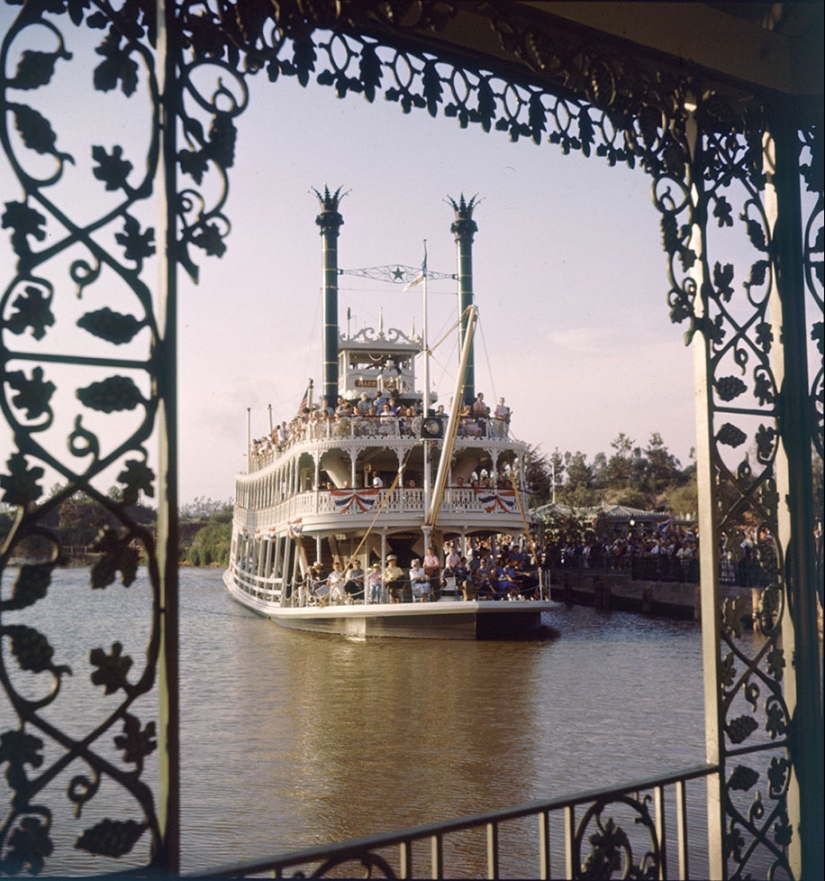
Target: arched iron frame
{"type": "Point", "coordinates": [721, 159]}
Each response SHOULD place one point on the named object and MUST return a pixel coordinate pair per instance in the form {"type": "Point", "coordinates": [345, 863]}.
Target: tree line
{"type": "Point", "coordinates": [649, 477]}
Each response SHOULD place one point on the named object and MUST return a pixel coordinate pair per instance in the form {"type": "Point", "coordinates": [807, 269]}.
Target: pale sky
{"type": "Point", "coordinates": [569, 274]}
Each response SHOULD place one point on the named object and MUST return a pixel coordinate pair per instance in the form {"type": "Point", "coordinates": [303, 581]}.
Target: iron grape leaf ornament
{"type": "Point", "coordinates": [137, 245]}
{"type": "Point", "coordinates": [33, 395]}
{"type": "Point", "coordinates": [112, 168]}
{"type": "Point", "coordinates": [775, 663]}
{"type": "Point", "coordinates": [117, 66]}
{"type": "Point", "coordinates": [20, 749]}
{"type": "Point", "coordinates": [783, 831]}
{"type": "Point", "coordinates": [775, 723]}
{"type": "Point", "coordinates": [722, 211]}
{"type": "Point", "coordinates": [113, 394]}
{"type": "Point", "coordinates": [778, 776]}
{"type": "Point", "coordinates": [730, 387]}
{"type": "Point", "coordinates": [36, 131]}
{"type": "Point", "coordinates": [113, 327]}
{"type": "Point", "coordinates": [32, 585]}
{"type": "Point", "coordinates": [741, 728]}
{"type": "Point", "coordinates": [731, 436]}
{"type": "Point", "coordinates": [112, 669]}
{"type": "Point", "coordinates": [138, 478]}
{"type": "Point", "coordinates": [20, 484]}
{"type": "Point", "coordinates": [33, 309]}
{"type": "Point", "coordinates": [733, 608]}
{"type": "Point", "coordinates": [36, 69]}
{"type": "Point", "coordinates": [111, 838]}
{"type": "Point", "coordinates": [29, 845]}
{"type": "Point", "coordinates": [24, 221]}
{"type": "Point", "coordinates": [118, 556]}
{"type": "Point", "coordinates": [743, 778]}
{"type": "Point", "coordinates": [727, 670]}
{"type": "Point", "coordinates": [32, 650]}
{"type": "Point", "coordinates": [136, 742]}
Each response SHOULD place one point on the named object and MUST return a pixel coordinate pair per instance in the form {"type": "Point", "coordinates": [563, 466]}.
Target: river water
{"type": "Point", "coordinates": [293, 739]}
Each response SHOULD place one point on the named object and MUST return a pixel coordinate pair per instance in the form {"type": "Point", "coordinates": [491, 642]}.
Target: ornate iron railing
{"type": "Point", "coordinates": [630, 830]}
{"type": "Point", "coordinates": [733, 172]}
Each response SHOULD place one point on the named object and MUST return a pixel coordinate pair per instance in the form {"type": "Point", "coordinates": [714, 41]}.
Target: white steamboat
{"type": "Point", "coordinates": [353, 480]}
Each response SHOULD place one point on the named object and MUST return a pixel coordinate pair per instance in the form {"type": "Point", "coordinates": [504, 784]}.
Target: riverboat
{"type": "Point", "coordinates": [353, 479]}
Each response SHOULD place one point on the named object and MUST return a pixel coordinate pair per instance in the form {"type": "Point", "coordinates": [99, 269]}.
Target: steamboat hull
{"type": "Point", "coordinates": [446, 619]}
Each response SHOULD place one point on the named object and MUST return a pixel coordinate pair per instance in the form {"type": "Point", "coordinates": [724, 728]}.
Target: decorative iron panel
{"type": "Point", "coordinates": [701, 143]}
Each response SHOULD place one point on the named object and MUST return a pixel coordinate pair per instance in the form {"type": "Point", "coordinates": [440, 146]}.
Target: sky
{"type": "Point", "coordinates": [569, 278]}
{"type": "Point", "coordinates": [569, 274]}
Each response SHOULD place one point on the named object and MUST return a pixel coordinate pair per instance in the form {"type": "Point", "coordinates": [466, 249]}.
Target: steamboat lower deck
{"type": "Point", "coordinates": [446, 619]}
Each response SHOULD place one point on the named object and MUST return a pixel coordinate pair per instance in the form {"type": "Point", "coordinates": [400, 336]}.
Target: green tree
{"type": "Point", "coordinates": [538, 476]}
{"type": "Point", "coordinates": [211, 543]}
{"type": "Point", "coordinates": [663, 468]}
{"type": "Point", "coordinates": [578, 489]}
{"type": "Point", "coordinates": [620, 464]}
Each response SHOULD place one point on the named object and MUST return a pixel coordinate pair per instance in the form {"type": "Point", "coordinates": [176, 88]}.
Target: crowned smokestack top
{"type": "Point", "coordinates": [464, 229]}
{"type": "Point", "coordinates": [330, 221]}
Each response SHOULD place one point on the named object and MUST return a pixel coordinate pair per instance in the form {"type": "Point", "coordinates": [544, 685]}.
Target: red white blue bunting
{"type": "Point", "coordinates": [492, 499]}
{"type": "Point", "coordinates": [354, 499]}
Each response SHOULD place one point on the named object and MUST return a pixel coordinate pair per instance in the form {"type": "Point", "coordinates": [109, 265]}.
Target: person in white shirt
{"type": "Point", "coordinates": [336, 584]}
{"type": "Point", "coordinates": [419, 582]}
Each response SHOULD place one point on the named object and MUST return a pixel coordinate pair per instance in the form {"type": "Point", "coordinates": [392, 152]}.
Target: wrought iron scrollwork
{"type": "Point", "coordinates": [61, 258]}
{"type": "Point", "coordinates": [611, 846]}
{"type": "Point", "coordinates": [701, 144]}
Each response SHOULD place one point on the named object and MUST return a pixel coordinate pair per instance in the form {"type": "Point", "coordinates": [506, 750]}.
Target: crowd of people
{"type": "Point", "coordinates": [485, 570]}
{"type": "Point", "coordinates": [508, 573]}
{"type": "Point", "coordinates": [744, 555]}
{"type": "Point", "coordinates": [378, 416]}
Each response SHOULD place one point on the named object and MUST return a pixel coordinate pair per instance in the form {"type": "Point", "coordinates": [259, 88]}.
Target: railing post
{"type": "Point", "coordinates": [681, 830]}
{"type": "Point", "coordinates": [569, 838]}
{"type": "Point", "coordinates": [794, 482]}
{"type": "Point", "coordinates": [544, 845]}
{"type": "Point", "coordinates": [492, 851]}
{"type": "Point", "coordinates": [167, 547]}
{"type": "Point", "coordinates": [661, 829]}
{"type": "Point", "coordinates": [437, 856]}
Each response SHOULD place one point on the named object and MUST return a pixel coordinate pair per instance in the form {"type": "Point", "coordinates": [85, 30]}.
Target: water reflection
{"type": "Point", "coordinates": [306, 739]}
{"type": "Point", "coordinates": [293, 739]}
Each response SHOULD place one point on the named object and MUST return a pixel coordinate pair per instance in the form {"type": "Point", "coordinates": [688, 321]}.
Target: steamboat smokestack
{"type": "Point", "coordinates": [464, 228]}
{"type": "Point", "coordinates": [330, 221]}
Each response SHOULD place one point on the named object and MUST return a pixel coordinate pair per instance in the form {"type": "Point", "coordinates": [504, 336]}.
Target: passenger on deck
{"type": "Point", "coordinates": [374, 582]}
{"type": "Point", "coordinates": [318, 584]}
{"type": "Point", "coordinates": [453, 558]}
{"type": "Point", "coordinates": [505, 580]}
{"type": "Point", "coordinates": [502, 417]}
{"type": "Point", "coordinates": [469, 427]}
{"type": "Point", "coordinates": [335, 580]}
{"type": "Point", "coordinates": [463, 579]}
{"type": "Point", "coordinates": [483, 579]}
{"type": "Point", "coordinates": [393, 578]}
{"type": "Point", "coordinates": [419, 582]}
{"type": "Point", "coordinates": [432, 565]}
{"type": "Point", "coordinates": [480, 409]}
{"type": "Point", "coordinates": [354, 582]}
